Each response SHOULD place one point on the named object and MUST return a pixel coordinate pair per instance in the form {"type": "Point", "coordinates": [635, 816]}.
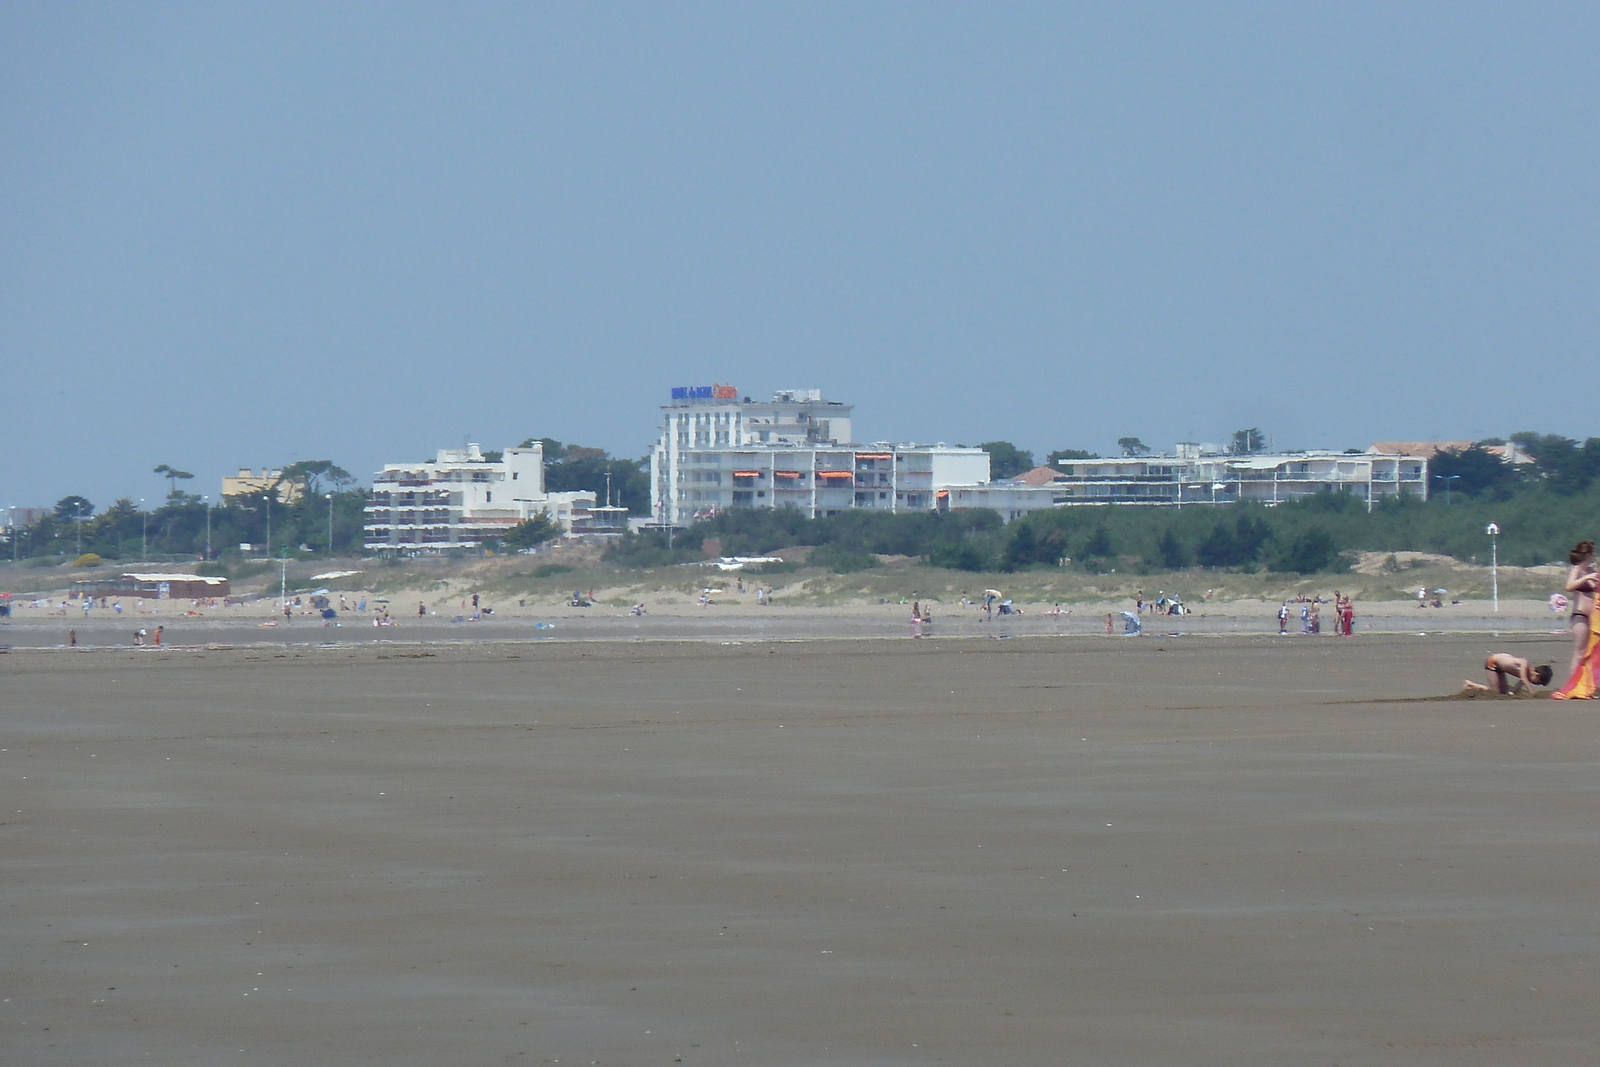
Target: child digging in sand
{"type": "Point", "coordinates": [1508, 674]}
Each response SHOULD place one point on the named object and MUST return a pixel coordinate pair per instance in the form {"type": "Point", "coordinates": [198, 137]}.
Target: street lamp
{"type": "Point", "coordinates": [206, 500]}
{"type": "Point", "coordinates": [1493, 530]}
{"type": "Point", "coordinates": [144, 533]}
{"type": "Point", "coordinates": [330, 525]}
{"type": "Point", "coordinates": [266, 498]}
{"type": "Point", "coordinates": [13, 533]}
{"type": "Point", "coordinates": [1446, 479]}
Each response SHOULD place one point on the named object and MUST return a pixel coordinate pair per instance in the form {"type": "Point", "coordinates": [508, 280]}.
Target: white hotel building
{"type": "Point", "coordinates": [718, 451]}
{"type": "Point", "coordinates": [1194, 476]}
{"type": "Point", "coordinates": [460, 499]}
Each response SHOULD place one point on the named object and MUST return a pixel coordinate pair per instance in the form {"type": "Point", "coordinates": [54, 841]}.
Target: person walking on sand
{"type": "Point", "coordinates": [1283, 619]}
{"type": "Point", "coordinates": [1581, 582]}
{"type": "Point", "coordinates": [159, 630]}
{"type": "Point", "coordinates": [1316, 617]}
{"type": "Point", "coordinates": [422, 609]}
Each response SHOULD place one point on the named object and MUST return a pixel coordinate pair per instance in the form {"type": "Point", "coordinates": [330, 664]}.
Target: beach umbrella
{"type": "Point", "coordinates": [997, 594]}
{"type": "Point", "coordinates": [329, 614]}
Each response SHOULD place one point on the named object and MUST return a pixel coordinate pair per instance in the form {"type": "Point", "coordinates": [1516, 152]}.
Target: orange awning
{"type": "Point", "coordinates": [941, 493]}
{"type": "Point", "coordinates": [874, 455]}
{"type": "Point", "coordinates": [747, 474]}
{"type": "Point", "coordinates": [835, 474]}
{"type": "Point", "coordinates": [786, 474]}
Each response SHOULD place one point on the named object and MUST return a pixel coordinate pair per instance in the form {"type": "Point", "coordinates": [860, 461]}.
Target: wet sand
{"type": "Point", "coordinates": [1192, 850]}
{"type": "Point", "coordinates": [36, 629]}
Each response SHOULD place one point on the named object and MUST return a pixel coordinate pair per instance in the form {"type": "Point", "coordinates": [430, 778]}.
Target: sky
{"type": "Point", "coordinates": [244, 234]}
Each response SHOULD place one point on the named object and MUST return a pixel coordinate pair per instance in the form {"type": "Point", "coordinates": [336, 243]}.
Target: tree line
{"type": "Point", "coordinates": [299, 522]}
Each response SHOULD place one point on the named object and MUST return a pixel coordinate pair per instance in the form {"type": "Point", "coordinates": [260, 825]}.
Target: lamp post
{"type": "Point", "coordinates": [1446, 479]}
{"type": "Point", "coordinates": [144, 531]}
{"type": "Point", "coordinates": [267, 500]}
{"type": "Point", "coordinates": [330, 525]}
{"type": "Point", "coordinates": [206, 500]}
{"type": "Point", "coordinates": [78, 514]}
{"type": "Point", "coordinates": [1493, 530]}
{"type": "Point", "coordinates": [13, 526]}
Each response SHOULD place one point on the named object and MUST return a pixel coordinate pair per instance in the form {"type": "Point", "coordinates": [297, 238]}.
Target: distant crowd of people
{"type": "Point", "coordinates": [1344, 615]}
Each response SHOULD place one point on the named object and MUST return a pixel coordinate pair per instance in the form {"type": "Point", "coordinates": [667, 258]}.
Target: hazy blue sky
{"type": "Point", "coordinates": [237, 234]}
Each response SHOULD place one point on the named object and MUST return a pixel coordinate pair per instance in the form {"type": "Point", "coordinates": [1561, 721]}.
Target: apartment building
{"type": "Point", "coordinates": [1191, 476]}
{"type": "Point", "coordinates": [717, 451]}
{"type": "Point", "coordinates": [461, 499]}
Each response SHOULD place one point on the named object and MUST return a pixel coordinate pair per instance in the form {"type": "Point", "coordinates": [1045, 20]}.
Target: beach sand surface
{"type": "Point", "coordinates": [1185, 850]}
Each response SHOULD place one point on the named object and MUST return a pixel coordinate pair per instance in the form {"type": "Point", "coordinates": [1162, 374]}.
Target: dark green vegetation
{"type": "Point", "coordinates": [1006, 460]}
{"type": "Point", "coordinates": [177, 529]}
{"type": "Point", "coordinates": [1542, 509]}
{"type": "Point", "coordinates": [570, 468]}
{"type": "Point", "coordinates": [531, 532]}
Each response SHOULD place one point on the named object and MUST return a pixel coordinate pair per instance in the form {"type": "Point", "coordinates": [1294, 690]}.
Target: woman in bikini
{"type": "Point", "coordinates": [1581, 583]}
{"type": "Point", "coordinates": [1507, 674]}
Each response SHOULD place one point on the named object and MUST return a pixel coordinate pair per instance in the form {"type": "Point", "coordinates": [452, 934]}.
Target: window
{"type": "Point", "coordinates": [488, 496]}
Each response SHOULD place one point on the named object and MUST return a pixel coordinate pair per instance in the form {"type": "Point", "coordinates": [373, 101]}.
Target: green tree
{"type": "Point", "coordinates": [1247, 442]}
{"type": "Point", "coordinates": [172, 475]}
{"type": "Point", "coordinates": [73, 507]}
{"type": "Point", "coordinates": [1562, 464]}
{"type": "Point", "coordinates": [1006, 460]}
{"type": "Point", "coordinates": [1311, 551]}
{"type": "Point", "coordinates": [531, 532]}
{"type": "Point", "coordinates": [1132, 446]}
{"type": "Point", "coordinates": [312, 471]}
{"type": "Point", "coordinates": [582, 468]}
{"type": "Point", "coordinates": [1171, 550]}
{"type": "Point", "coordinates": [1474, 469]}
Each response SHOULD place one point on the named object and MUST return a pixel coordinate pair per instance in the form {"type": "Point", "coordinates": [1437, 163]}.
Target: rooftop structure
{"type": "Point", "coordinates": [461, 499]}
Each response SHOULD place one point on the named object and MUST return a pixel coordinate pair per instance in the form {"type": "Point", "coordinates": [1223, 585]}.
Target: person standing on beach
{"type": "Point", "coordinates": [1283, 618]}
{"type": "Point", "coordinates": [1316, 616]}
{"type": "Point", "coordinates": [159, 630]}
{"type": "Point", "coordinates": [1581, 582]}
{"type": "Point", "coordinates": [422, 609]}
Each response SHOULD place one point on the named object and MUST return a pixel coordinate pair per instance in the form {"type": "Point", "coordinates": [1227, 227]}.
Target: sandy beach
{"type": "Point", "coordinates": [1195, 850]}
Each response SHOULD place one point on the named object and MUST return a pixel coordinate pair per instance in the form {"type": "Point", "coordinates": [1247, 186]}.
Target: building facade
{"type": "Point", "coordinates": [1191, 477]}
{"type": "Point", "coordinates": [249, 483]}
{"type": "Point", "coordinates": [717, 451]}
{"type": "Point", "coordinates": [461, 499]}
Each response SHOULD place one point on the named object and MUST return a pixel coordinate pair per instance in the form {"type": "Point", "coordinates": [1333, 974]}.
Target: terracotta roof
{"type": "Point", "coordinates": [1422, 449]}
{"type": "Point", "coordinates": [1429, 449]}
{"type": "Point", "coordinates": [1039, 476]}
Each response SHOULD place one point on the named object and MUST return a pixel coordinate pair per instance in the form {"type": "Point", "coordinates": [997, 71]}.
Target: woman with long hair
{"type": "Point", "coordinates": [1581, 582]}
